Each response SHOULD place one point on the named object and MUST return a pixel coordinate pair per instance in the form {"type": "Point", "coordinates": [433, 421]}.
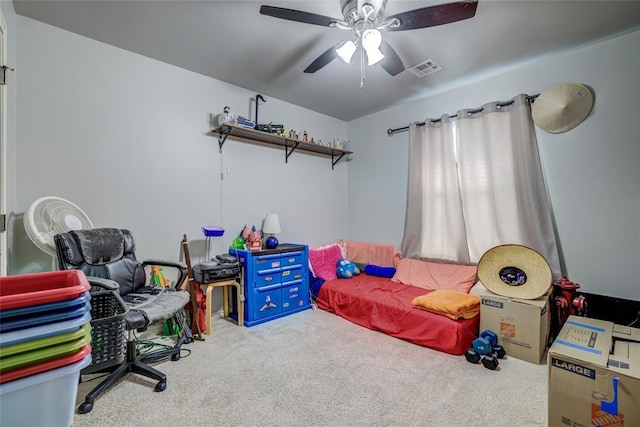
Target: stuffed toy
{"type": "Point", "coordinates": [346, 269]}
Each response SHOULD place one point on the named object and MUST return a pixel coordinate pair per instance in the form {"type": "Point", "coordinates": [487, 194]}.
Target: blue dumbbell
{"type": "Point", "coordinates": [485, 343]}
{"type": "Point", "coordinates": [496, 349]}
{"type": "Point", "coordinates": [490, 336]}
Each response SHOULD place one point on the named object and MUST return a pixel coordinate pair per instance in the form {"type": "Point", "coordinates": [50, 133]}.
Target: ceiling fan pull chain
{"type": "Point", "coordinates": [361, 67]}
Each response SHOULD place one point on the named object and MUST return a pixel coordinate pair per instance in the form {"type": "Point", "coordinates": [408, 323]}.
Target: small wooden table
{"type": "Point", "coordinates": [225, 296]}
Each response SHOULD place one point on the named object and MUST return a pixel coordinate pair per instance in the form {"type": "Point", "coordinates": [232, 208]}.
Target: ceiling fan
{"type": "Point", "coordinates": [366, 20]}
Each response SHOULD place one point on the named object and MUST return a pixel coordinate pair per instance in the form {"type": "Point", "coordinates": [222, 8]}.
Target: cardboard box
{"type": "Point", "coordinates": [522, 325]}
{"type": "Point", "coordinates": [594, 376]}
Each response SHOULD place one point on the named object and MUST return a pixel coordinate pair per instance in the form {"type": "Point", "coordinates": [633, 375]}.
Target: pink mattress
{"type": "Point", "coordinates": [379, 304]}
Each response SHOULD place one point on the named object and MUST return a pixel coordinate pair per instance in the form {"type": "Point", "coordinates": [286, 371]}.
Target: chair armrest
{"type": "Point", "coordinates": [100, 284]}
{"type": "Point", "coordinates": [179, 266]}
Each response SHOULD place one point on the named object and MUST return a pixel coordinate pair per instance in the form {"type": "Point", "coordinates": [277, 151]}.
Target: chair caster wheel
{"type": "Point", "coordinates": [85, 407]}
{"type": "Point", "coordinates": [175, 357]}
{"type": "Point", "coordinates": [161, 386]}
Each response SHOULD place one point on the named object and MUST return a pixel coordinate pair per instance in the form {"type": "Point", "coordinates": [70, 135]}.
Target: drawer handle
{"type": "Point", "coordinates": [269, 287]}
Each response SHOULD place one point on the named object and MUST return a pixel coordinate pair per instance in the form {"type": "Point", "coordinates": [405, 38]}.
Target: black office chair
{"type": "Point", "coordinates": [107, 257]}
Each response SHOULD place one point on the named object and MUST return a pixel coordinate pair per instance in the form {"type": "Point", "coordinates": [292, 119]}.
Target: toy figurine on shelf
{"type": "Point", "coordinates": [223, 118]}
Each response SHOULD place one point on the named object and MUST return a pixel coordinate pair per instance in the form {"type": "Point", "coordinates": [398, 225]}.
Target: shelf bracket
{"type": "Point", "coordinates": [222, 137]}
{"type": "Point", "coordinates": [289, 152]}
{"type": "Point", "coordinates": [335, 161]}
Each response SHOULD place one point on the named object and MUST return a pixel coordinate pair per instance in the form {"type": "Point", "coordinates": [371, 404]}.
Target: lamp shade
{"type": "Point", "coordinates": [346, 51]}
{"type": "Point", "coordinates": [371, 41]}
{"type": "Point", "coordinates": [271, 224]}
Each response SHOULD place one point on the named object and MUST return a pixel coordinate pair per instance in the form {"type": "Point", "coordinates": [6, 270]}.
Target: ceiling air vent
{"type": "Point", "coordinates": [425, 68]}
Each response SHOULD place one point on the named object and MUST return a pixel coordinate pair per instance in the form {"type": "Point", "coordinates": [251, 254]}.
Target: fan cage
{"type": "Point", "coordinates": [49, 216]}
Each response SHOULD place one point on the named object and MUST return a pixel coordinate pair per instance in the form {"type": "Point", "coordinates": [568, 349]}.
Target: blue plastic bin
{"type": "Point", "coordinates": [46, 399]}
{"type": "Point", "coordinates": [43, 331]}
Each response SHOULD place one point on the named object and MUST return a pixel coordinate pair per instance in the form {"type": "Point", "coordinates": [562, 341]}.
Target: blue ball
{"type": "Point", "coordinates": [271, 242]}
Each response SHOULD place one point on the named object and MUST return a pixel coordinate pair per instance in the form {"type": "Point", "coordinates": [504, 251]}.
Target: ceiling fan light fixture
{"type": "Point", "coordinates": [346, 51]}
{"type": "Point", "coordinates": [371, 41]}
{"type": "Point", "coordinates": [374, 56]}
{"type": "Point", "coordinates": [366, 18]}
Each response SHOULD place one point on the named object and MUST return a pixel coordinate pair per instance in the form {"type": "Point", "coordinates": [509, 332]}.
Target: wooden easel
{"type": "Point", "coordinates": [195, 326]}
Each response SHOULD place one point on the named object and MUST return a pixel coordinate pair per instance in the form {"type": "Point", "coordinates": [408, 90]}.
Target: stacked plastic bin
{"type": "Point", "coordinates": [45, 341]}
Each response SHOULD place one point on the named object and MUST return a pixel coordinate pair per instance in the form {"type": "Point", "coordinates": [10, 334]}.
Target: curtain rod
{"type": "Point", "coordinates": [391, 132]}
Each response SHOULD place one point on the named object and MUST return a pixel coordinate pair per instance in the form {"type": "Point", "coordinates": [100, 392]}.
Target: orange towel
{"type": "Point", "coordinates": [452, 304]}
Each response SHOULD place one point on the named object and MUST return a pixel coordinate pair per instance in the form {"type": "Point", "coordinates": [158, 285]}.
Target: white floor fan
{"type": "Point", "coordinates": [49, 216]}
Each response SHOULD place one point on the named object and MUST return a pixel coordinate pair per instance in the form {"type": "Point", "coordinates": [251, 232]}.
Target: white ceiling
{"type": "Point", "coordinates": [231, 41]}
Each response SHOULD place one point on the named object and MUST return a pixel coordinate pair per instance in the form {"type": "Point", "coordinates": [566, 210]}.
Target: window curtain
{"type": "Point", "coordinates": [488, 160]}
{"type": "Point", "coordinates": [434, 223]}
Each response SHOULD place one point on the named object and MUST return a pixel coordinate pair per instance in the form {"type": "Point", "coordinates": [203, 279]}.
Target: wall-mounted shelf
{"type": "Point", "coordinates": [290, 145]}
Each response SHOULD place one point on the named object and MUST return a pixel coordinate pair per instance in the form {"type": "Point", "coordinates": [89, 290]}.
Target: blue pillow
{"type": "Point", "coordinates": [376, 270]}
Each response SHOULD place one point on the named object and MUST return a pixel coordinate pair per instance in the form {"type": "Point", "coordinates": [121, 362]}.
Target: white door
{"type": "Point", "coordinates": [3, 150]}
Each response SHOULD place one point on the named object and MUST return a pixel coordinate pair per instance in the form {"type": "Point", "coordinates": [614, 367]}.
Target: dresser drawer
{"type": "Point", "coordinates": [295, 295]}
{"type": "Point", "coordinates": [268, 277]}
{"type": "Point", "coordinates": [291, 259]}
{"type": "Point", "coordinates": [266, 262]}
{"type": "Point", "coordinates": [292, 273]}
{"type": "Point", "coordinates": [266, 301]}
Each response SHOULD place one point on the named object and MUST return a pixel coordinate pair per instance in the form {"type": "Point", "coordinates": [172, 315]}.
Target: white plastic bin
{"type": "Point", "coordinates": [46, 399]}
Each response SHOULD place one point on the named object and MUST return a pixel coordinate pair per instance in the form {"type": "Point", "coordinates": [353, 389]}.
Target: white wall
{"type": "Point", "coordinates": [592, 171]}
{"type": "Point", "coordinates": [125, 138]}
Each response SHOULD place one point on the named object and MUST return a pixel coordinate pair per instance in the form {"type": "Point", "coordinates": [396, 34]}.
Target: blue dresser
{"type": "Point", "coordinates": [276, 282]}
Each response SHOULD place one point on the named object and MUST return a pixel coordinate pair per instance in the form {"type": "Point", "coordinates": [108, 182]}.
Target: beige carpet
{"type": "Point", "coordinates": [315, 368]}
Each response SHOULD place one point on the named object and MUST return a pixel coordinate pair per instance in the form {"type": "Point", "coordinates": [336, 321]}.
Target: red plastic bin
{"type": "Point", "coordinates": [41, 288]}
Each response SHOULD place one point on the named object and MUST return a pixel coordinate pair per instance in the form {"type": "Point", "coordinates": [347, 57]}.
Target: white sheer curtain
{"type": "Point", "coordinates": [434, 223]}
{"type": "Point", "coordinates": [496, 176]}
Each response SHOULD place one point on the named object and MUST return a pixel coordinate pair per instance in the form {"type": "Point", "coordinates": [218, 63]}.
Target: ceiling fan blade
{"type": "Point", "coordinates": [322, 60]}
{"type": "Point", "coordinates": [297, 15]}
{"type": "Point", "coordinates": [391, 63]}
{"type": "Point", "coordinates": [432, 16]}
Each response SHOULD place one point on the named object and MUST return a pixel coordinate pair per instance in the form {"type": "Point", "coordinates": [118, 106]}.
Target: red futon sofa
{"type": "Point", "coordinates": [385, 303]}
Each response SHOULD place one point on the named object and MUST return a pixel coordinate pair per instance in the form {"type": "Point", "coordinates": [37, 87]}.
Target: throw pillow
{"type": "Point", "coordinates": [343, 249]}
{"type": "Point", "coordinates": [376, 270]}
{"type": "Point", "coordinates": [435, 275]}
{"type": "Point", "coordinates": [323, 261]}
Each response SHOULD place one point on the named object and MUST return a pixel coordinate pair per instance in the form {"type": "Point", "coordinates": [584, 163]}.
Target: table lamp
{"type": "Point", "coordinates": [271, 226]}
